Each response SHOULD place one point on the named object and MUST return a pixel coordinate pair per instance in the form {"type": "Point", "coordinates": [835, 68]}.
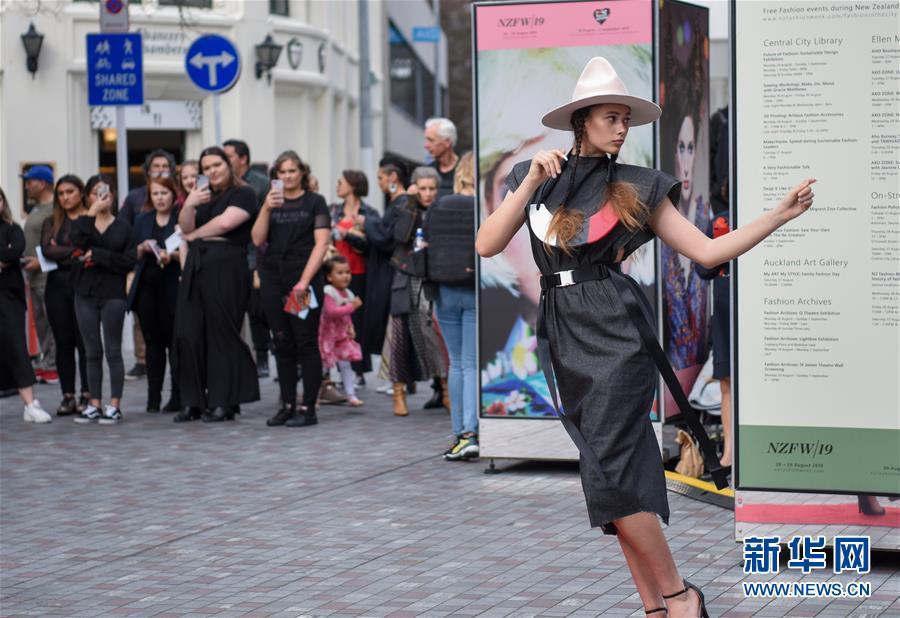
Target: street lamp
{"type": "Point", "coordinates": [267, 54]}
{"type": "Point", "coordinates": [32, 40]}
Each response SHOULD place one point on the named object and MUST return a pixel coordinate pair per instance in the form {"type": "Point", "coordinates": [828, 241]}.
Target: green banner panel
{"type": "Point", "coordinates": [819, 458]}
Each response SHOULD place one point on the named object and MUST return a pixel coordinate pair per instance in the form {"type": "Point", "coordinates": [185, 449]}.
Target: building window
{"type": "Point", "coordinates": [280, 7]}
{"type": "Point", "coordinates": [412, 84]}
{"type": "Point", "coordinates": [194, 4]}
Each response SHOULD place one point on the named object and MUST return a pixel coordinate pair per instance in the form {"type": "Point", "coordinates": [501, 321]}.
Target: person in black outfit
{"type": "Point", "coordinates": [720, 325]}
{"type": "Point", "coordinates": [59, 298]}
{"type": "Point", "coordinates": [594, 336]}
{"type": "Point", "coordinates": [159, 163]}
{"type": "Point", "coordinates": [100, 296]}
{"type": "Point", "coordinates": [15, 365]}
{"type": "Point", "coordinates": [296, 225]}
{"type": "Point", "coordinates": [215, 367]}
{"type": "Point", "coordinates": [154, 291]}
{"type": "Point", "coordinates": [239, 156]}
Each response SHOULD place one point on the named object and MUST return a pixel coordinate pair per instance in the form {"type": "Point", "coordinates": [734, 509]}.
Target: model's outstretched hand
{"type": "Point", "coordinates": [797, 201]}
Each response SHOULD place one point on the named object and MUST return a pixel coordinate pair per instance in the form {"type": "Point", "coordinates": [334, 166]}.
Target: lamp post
{"type": "Point", "coordinates": [267, 54]}
{"type": "Point", "coordinates": [32, 40]}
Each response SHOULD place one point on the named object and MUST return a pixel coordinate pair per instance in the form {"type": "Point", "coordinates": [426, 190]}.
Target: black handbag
{"type": "Point", "coordinates": [412, 263]}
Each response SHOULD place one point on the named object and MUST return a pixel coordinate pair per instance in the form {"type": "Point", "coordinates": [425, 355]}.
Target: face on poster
{"type": "Point", "coordinates": [528, 59]}
{"type": "Point", "coordinates": [684, 153]}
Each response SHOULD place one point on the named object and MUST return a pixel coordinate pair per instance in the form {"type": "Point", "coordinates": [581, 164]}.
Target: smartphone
{"type": "Point", "coordinates": [202, 181]}
{"type": "Point", "coordinates": [102, 190]}
{"type": "Point", "coordinates": [154, 247]}
{"type": "Point", "coordinates": [278, 185]}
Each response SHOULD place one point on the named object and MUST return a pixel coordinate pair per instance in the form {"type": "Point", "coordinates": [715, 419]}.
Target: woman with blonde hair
{"type": "Point", "coordinates": [585, 214]}
{"type": "Point", "coordinates": [450, 232]}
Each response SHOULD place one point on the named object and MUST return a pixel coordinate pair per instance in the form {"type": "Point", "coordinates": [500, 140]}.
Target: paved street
{"type": "Point", "coordinates": [358, 516]}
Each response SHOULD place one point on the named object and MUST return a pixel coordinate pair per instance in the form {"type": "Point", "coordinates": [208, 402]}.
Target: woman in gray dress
{"type": "Point", "coordinates": [586, 214]}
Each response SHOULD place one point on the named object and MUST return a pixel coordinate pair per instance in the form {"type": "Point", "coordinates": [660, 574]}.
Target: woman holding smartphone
{"type": "Point", "coordinates": [216, 371]}
{"type": "Point", "coordinates": [100, 296]}
{"type": "Point", "coordinates": [296, 225]}
{"type": "Point", "coordinates": [154, 291]}
{"type": "Point", "coordinates": [59, 297]}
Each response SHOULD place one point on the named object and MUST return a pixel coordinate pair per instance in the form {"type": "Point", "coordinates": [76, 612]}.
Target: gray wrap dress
{"type": "Point", "coordinates": [606, 377]}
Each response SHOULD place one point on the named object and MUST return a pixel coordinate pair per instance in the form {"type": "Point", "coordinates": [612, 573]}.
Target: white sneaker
{"type": "Point", "coordinates": [34, 413]}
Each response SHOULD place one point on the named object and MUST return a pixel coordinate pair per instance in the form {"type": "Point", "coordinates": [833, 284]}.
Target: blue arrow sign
{"type": "Point", "coordinates": [426, 34]}
{"type": "Point", "coordinates": [213, 63]}
{"type": "Point", "coordinates": [115, 69]}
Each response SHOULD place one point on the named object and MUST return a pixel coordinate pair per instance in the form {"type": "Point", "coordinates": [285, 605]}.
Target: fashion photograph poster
{"type": "Point", "coordinates": [522, 70]}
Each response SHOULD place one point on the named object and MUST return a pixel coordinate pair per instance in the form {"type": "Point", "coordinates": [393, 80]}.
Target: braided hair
{"type": "Point", "coordinates": [567, 222]}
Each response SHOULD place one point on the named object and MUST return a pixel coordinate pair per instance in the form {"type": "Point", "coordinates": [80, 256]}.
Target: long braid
{"type": "Point", "coordinates": [576, 152]}
{"type": "Point", "coordinates": [566, 222]}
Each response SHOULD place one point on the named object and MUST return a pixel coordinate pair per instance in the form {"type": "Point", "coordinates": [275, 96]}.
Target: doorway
{"type": "Point", "coordinates": [140, 144]}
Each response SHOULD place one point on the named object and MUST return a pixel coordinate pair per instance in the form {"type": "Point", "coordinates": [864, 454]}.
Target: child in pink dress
{"type": "Point", "coordinates": [337, 338]}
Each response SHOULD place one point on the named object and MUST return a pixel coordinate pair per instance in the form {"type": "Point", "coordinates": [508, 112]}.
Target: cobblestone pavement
{"type": "Point", "coordinates": [358, 516]}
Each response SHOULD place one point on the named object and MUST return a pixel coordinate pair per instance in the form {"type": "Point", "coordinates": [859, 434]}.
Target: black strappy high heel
{"type": "Point", "coordinates": [689, 586]}
{"type": "Point", "coordinates": [647, 612]}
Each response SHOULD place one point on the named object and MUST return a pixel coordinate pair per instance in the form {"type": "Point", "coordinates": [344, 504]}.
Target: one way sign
{"type": "Point", "coordinates": [213, 63]}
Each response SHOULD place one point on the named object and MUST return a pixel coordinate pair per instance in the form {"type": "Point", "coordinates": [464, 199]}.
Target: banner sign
{"type": "Point", "coordinates": [817, 93]}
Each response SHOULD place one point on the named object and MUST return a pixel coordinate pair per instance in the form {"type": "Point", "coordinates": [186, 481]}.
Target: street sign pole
{"type": "Point", "coordinates": [217, 112]}
{"type": "Point", "coordinates": [114, 18]}
{"type": "Point", "coordinates": [121, 155]}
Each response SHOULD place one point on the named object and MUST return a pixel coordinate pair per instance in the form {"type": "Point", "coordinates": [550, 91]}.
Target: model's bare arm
{"type": "Point", "coordinates": [498, 229]}
{"type": "Point", "coordinates": [680, 234]}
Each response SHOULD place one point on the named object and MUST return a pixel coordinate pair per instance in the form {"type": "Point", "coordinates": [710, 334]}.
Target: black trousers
{"type": "Point", "coordinates": [296, 340]}
{"type": "Point", "coordinates": [215, 366]}
{"type": "Point", "coordinates": [59, 301]}
{"type": "Point", "coordinates": [15, 365]}
{"type": "Point", "coordinates": [259, 327]}
{"type": "Point", "coordinates": [157, 315]}
{"type": "Point", "coordinates": [358, 287]}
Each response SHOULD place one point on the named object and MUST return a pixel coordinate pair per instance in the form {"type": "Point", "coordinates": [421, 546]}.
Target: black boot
{"type": "Point", "coordinates": [68, 406]}
{"type": "Point", "coordinates": [219, 414]}
{"type": "Point", "coordinates": [188, 414]}
{"type": "Point", "coordinates": [174, 405]}
{"type": "Point", "coordinates": [437, 397]}
{"type": "Point", "coordinates": [153, 403]}
{"type": "Point", "coordinates": [302, 420]}
{"type": "Point", "coordinates": [283, 415]}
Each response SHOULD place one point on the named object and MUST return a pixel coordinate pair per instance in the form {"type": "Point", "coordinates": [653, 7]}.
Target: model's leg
{"type": "Point", "coordinates": [643, 532]}
{"type": "Point", "coordinates": [651, 595]}
{"type": "Point", "coordinates": [725, 384]}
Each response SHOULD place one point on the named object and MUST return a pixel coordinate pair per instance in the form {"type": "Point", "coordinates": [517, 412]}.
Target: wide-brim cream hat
{"type": "Point", "coordinates": [599, 83]}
